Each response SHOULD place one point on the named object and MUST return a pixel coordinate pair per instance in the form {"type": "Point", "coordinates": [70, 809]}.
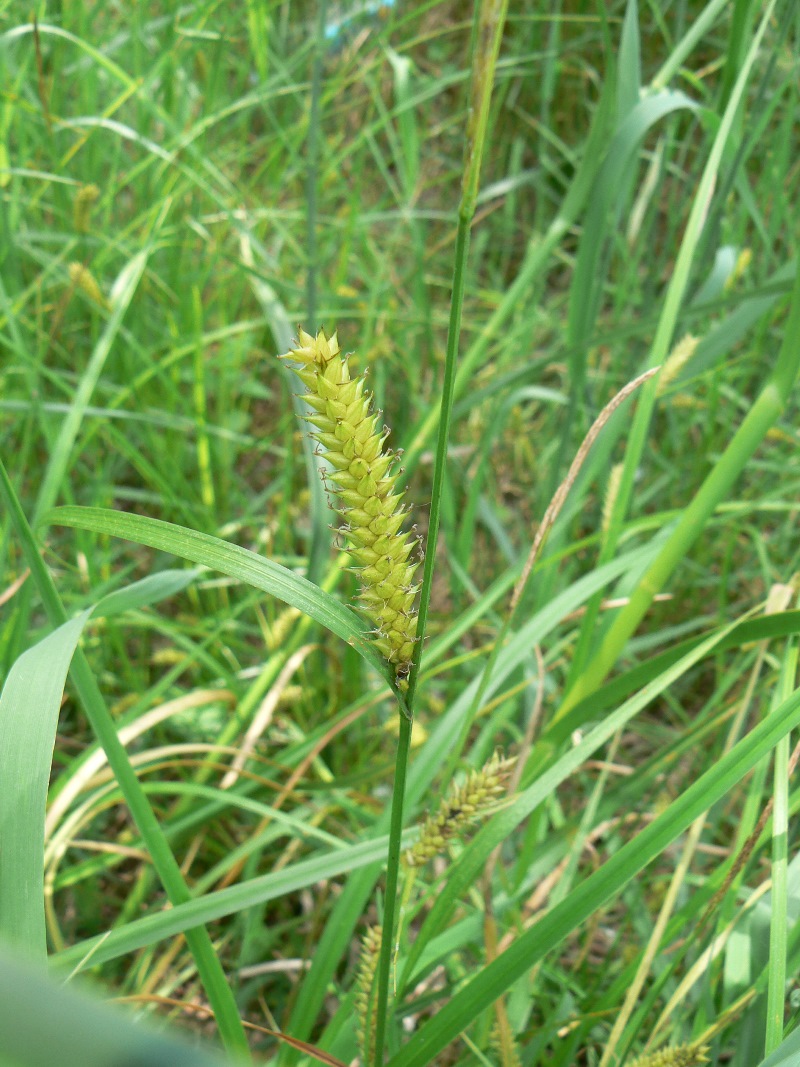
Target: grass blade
{"type": "Point", "coordinates": [208, 964]}
{"type": "Point", "coordinates": [42, 1023]}
{"type": "Point", "coordinates": [600, 662]}
{"type": "Point", "coordinates": [778, 927]}
{"type": "Point", "coordinates": [235, 898]}
{"type": "Point", "coordinates": [29, 708]}
{"type": "Point", "coordinates": [230, 559]}
{"type": "Point", "coordinates": [466, 871]}
{"type": "Point", "coordinates": [125, 286]}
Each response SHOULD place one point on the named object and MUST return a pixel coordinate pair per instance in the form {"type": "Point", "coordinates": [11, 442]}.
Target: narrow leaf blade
{"type": "Point", "coordinates": [233, 560]}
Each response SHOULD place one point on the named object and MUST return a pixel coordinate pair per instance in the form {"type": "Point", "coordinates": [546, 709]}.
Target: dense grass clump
{"type": "Point", "coordinates": [263, 771]}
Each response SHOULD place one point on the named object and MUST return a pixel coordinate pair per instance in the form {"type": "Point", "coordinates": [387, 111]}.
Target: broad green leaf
{"type": "Point", "coordinates": [604, 203]}
{"type": "Point", "coordinates": [787, 1054]}
{"type": "Point", "coordinates": [149, 590]}
{"type": "Point", "coordinates": [254, 892]}
{"type": "Point", "coordinates": [29, 707]}
{"type": "Point", "coordinates": [629, 67]}
{"type": "Point", "coordinates": [43, 1023]}
{"type": "Point", "coordinates": [237, 562]}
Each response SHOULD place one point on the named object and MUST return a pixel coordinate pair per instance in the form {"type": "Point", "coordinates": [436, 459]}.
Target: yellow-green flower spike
{"type": "Point", "coordinates": [464, 803]}
{"type": "Point", "coordinates": [83, 278]}
{"type": "Point", "coordinates": [85, 199]}
{"type": "Point", "coordinates": [363, 478]}
{"type": "Point", "coordinates": [692, 1055]}
{"type": "Point", "coordinates": [365, 989]}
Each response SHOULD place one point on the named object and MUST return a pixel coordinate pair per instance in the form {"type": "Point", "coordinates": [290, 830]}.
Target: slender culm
{"type": "Point", "coordinates": [364, 481]}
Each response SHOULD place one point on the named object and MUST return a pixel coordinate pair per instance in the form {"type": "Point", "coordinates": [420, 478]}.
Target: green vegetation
{"type": "Point", "coordinates": [208, 767]}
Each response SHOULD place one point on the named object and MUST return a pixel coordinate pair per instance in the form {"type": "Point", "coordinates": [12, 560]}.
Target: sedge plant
{"type": "Point", "coordinates": [364, 484]}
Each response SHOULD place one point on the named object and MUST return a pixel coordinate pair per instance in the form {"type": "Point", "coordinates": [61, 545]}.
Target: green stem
{"type": "Point", "coordinates": [320, 512]}
{"type": "Point", "coordinates": [392, 871]}
{"type": "Point", "coordinates": [538, 255]}
{"type": "Point", "coordinates": [778, 932]}
{"type": "Point", "coordinates": [487, 32]}
{"type": "Point", "coordinates": [764, 413]}
{"type": "Point", "coordinates": [488, 23]}
{"type": "Point", "coordinates": [454, 328]}
{"type": "Point", "coordinates": [312, 171]}
{"type": "Point", "coordinates": [209, 967]}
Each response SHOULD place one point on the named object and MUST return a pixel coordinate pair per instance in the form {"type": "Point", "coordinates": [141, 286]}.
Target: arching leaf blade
{"type": "Point", "coordinates": [237, 562]}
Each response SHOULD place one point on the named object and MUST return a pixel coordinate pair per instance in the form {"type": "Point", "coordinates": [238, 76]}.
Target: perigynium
{"type": "Point", "coordinates": [363, 480]}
